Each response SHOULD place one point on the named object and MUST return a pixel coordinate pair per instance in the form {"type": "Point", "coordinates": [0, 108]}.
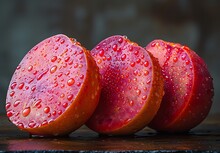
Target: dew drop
{"type": "Point", "coordinates": [146, 63]}
{"type": "Point", "coordinates": [175, 59]}
{"type": "Point", "coordinates": [65, 104]}
{"type": "Point", "coordinates": [32, 124]}
{"type": "Point", "coordinates": [153, 44]}
{"type": "Point", "coordinates": [78, 84]}
{"type": "Point", "coordinates": [46, 109]}
{"type": "Point", "coordinates": [42, 74]}
{"type": "Point", "coordinates": [53, 69]}
{"type": "Point", "coordinates": [62, 95]}
{"type": "Point", "coordinates": [138, 60]}
{"type": "Point", "coordinates": [33, 88]}
{"type": "Point", "coordinates": [16, 103]}
{"type": "Point", "coordinates": [26, 111]}
{"type": "Point", "coordinates": [144, 97]}
{"type": "Point", "coordinates": [59, 112]}
{"type": "Point", "coordinates": [101, 52]}
{"type": "Point", "coordinates": [187, 62]}
{"type": "Point", "coordinates": [44, 123]}
{"type": "Point", "coordinates": [138, 92]}
{"type": "Point", "coordinates": [54, 113]}
{"type": "Point", "coordinates": [131, 102]}
{"type": "Point", "coordinates": [136, 52]}
{"type": "Point", "coordinates": [30, 68]}
{"type": "Point", "coordinates": [109, 58]}
{"type": "Point", "coordinates": [10, 113]}
{"type": "Point", "coordinates": [70, 82]}
{"type": "Point", "coordinates": [20, 125]}
{"type": "Point", "coordinates": [146, 72]}
{"type": "Point", "coordinates": [115, 47]}
{"type": "Point", "coordinates": [37, 103]}
{"type": "Point", "coordinates": [67, 59]}
{"type": "Point", "coordinates": [8, 105]}
{"type": "Point", "coordinates": [123, 57]}
{"type": "Point", "coordinates": [97, 47]}
{"type": "Point", "coordinates": [60, 74]}
{"type": "Point", "coordinates": [21, 85]}
{"type": "Point", "coordinates": [18, 67]}
{"type": "Point", "coordinates": [81, 76]}
{"type": "Point", "coordinates": [12, 93]}
{"type": "Point", "coordinates": [183, 56]}
{"type": "Point", "coordinates": [120, 40]}
{"type": "Point", "coordinates": [132, 64]}
{"type": "Point", "coordinates": [99, 61]}
{"type": "Point", "coordinates": [148, 81]}
{"type": "Point", "coordinates": [131, 48]}
{"type": "Point", "coordinates": [62, 41]}
{"type": "Point", "coordinates": [54, 58]}
{"type": "Point", "coordinates": [76, 65]}
{"type": "Point", "coordinates": [13, 85]}
{"type": "Point", "coordinates": [70, 97]}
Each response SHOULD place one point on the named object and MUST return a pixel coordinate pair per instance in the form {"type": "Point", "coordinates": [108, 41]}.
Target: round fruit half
{"type": "Point", "coordinates": [46, 95]}
{"type": "Point", "coordinates": [188, 87]}
{"type": "Point", "coordinates": [132, 87]}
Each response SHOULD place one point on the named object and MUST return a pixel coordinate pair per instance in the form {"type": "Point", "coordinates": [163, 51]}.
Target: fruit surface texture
{"type": "Point", "coordinates": [188, 87]}
{"type": "Point", "coordinates": [132, 87]}
{"type": "Point", "coordinates": [46, 95]}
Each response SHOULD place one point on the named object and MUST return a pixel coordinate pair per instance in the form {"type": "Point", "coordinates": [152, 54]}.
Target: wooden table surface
{"type": "Point", "coordinates": [205, 138]}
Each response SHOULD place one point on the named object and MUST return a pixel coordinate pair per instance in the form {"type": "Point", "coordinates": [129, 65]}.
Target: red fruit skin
{"type": "Point", "coordinates": [188, 88]}
{"type": "Point", "coordinates": [132, 87]}
{"type": "Point", "coordinates": [51, 82]}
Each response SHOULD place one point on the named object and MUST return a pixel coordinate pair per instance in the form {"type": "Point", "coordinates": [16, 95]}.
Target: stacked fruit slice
{"type": "Point", "coordinates": [116, 89]}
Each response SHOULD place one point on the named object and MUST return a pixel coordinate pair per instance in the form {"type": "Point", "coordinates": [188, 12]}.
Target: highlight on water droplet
{"type": "Point", "coordinates": [26, 111]}
{"type": "Point", "coordinates": [101, 52]}
{"type": "Point", "coordinates": [70, 82]}
{"type": "Point", "coordinates": [123, 57]}
{"type": "Point", "coordinates": [115, 47]}
{"type": "Point", "coordinates": [13, 85]}
{"type": "Point", "coordinates": [131, 102]}
{"type": "Point", "coordinates": [46, 109]}
{"type": "Point", "coordinates": [54, 58]}
{"type": "Point", "coordinates": [16, 103]}
{"type": "Point", "coordinates": [37, 103]}
{"type": "Point", "coordinates": [21, 85]}
{"type": "Point", "coordinates": [30, 68]}
{"type": "Point", "coordinates": [120, 40]}
{"type": "Point", "coordinates": [53, 69]}
{"type": "Point", "coordinates": [70, 97]}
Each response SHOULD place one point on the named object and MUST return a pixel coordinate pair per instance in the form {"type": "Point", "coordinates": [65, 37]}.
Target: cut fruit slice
{"type": "Point", "coordinates": [46, 95]}
{"type": "Point", "coordinates": [132, 87]}
{"type": "Point", "coordinates": [188, 87]}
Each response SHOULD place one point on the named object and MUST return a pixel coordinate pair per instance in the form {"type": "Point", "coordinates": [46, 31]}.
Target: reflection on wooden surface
{"type": "Point", "coordinates": [205, 137]}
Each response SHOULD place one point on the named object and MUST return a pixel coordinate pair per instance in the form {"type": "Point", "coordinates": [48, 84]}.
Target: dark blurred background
{"type": "Point", "coordinates": [24, 23]}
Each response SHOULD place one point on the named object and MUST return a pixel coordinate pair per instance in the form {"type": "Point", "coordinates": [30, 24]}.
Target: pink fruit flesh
{"type": "Point", "coordinates": [188, 87]}
{"type": "Point", "coordinates": [46, 83]}
{"type": "Point", "coordinates": [127, 78]}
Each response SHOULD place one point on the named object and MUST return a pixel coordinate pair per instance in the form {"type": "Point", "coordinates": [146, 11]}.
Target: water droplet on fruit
{"type": "Point", "coordinates": [12, 93]}
{"type": "Point", "coordinates": [21, 85]}
{"type": "Point", "coordinates": [144, 97]}
{"type": "Point", "coordinates": [131, 48]}
{"type": "Point", "coordinates": [183, 56]}
{"type": "Point", "coordinates": [120, 40]}
{"type": "Point", "coordinates": [65, 104]}
{"type": "Point", "coordinates": [16, 103]}
{"type": "Point", "coordinates": [131, 102]}
{"type": "Point", "coordinates": [53, 69]}
{"type": "Point", "coordinates": [70, 82]}
{"type": "Point", "coordinates": [18, 67]}
{"type": "Point", "coordinates": [54, 58]}
{"type": "Point", "coordinates": [136, 52]}
{"type": "Point", "coordinates": [76, 65]}
{"type": "Point", "coordinates": [175, 59]}
{"type": "Point", "coordinates": [132, 64]}
{"type": "Point", "coordinates": [13, 85]}
{"type": "Point", "coordinates": [101, 52]}
{"type": "Point", "coordinates": [42, 74]}
{"type": "Point", "coordinates": [99, 61]}
{"type": "Point", "coordinates": [148, 81]}
{"type": "Point", "coordinates": [30, 68]}
{"type": "Point", "coordinates": [10, 113]}
{"type": "Point", "coordinates": [32, 124]}
{"type": "Point", "coordinates": [187, 62]}
{"type": "Point", "coordinates": [26, 111]}
{"type": "Point", "coordinates": [153, 44]}
{"type": "Point", "coordinates": [37, 103]}
{"type": "Point", "coordinates": [109, 58]}
{"type": "Point", "coordinates": [33, 88]}
{"type": "Point", "coordinates": [70, 97]}
{"type": "Point", "coordinates": [59, 112]}
{"type": "Point", "coordinates": [62, 41]}
{"type": "Point", "coordinates": [78, 84]}
{"type": "Point", "coordinates": [8, 105]}
{"type": "Point", "coordinates": [46, 109]}
{"type": "Point", "coordinates": [97, 47]}
{"type": "Point", "coordinates": [138, 92]}
{"type": "Point", "coordinates": [115, 47]}
{"type": "Point", "coordinates": [20, 125]}
{"type": "Point", "coordinates": [123, 57]}
{"type": "Point", "coordinates": [81, 76]}
{"type": "Point", "coordinates": [146, 63]}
